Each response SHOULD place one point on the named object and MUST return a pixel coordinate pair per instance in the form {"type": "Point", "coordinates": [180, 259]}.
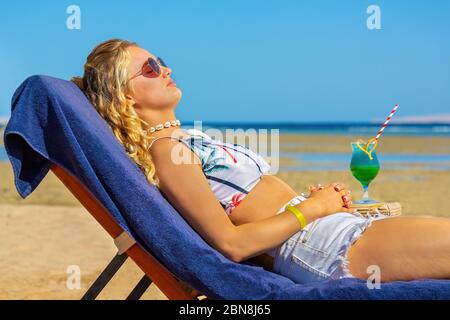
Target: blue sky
{"type": "Point", "coordinates": [251, 60]}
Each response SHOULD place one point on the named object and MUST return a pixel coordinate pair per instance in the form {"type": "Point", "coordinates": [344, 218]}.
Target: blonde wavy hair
{"type": "Point", "coordinates": [105, 84]}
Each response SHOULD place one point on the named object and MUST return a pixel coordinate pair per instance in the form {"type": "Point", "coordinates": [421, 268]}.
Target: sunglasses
{"type": "Point", "coordinates": [151, 68]}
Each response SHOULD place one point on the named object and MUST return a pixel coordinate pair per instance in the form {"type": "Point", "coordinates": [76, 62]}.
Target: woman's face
{"type": "Point", "coordinates": [150, 90]}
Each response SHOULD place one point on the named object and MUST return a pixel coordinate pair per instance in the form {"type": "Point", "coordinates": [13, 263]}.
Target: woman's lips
{"type": "Point", "coordinates": [172, 84]}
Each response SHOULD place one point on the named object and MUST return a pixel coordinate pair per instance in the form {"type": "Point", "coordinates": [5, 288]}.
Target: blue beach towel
{"type": "Point", "coordinates": [53, 122]}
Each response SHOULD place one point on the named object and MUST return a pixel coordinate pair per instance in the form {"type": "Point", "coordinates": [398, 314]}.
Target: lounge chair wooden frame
{"type": "Point", "coordinates": [155, 272]}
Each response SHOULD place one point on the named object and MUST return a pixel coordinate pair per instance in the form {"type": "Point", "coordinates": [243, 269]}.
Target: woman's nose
{"type": "Point", "coordinates": [166, 71]}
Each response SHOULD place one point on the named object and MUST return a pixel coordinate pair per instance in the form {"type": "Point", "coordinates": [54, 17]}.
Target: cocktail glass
{"type": "Point", "coordinates": [364, 168]}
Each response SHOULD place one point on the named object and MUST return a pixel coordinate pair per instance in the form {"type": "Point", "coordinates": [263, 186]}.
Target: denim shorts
{"type": "Point", "coordinates": [319, 251]}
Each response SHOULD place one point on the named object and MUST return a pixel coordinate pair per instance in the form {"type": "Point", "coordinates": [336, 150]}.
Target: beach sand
{"type": "Point", "coordinates": [49, 231]}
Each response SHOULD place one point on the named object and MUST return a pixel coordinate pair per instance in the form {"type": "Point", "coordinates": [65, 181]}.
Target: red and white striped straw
{"type": "Point", "coordinates": [386, 122]}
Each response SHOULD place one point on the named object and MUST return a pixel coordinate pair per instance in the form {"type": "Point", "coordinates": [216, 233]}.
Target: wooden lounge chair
{"type": "Point", "coordinates": [154, 271]}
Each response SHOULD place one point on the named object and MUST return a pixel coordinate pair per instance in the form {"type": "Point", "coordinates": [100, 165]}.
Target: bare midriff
{"type": "Point", "coordinates": [264, 200]}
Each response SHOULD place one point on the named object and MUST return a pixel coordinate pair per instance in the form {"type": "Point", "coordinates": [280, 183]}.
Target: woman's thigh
{"type": "Point", "coordinates": [403, 248]}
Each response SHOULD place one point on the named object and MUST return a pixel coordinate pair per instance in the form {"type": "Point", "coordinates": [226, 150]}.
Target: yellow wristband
{"type": "Point", "coordinates": [300, 217]}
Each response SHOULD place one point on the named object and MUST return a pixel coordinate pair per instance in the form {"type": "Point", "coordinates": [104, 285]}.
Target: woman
{"type": "Point", "coordinates": [238, 207]}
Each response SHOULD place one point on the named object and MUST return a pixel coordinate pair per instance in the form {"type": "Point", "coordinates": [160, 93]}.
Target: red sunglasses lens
{"type": "Point", "coordinates": [154, 65]}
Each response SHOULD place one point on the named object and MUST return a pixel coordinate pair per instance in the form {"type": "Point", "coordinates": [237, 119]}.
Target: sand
{"type": "Point", "coordinates": [49, 231]}
{"type": "Point", "coordinates": [40, 242]}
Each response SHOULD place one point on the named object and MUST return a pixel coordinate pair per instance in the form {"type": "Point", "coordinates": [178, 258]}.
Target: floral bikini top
{"type": "Point", "coordinates": [231, 169]}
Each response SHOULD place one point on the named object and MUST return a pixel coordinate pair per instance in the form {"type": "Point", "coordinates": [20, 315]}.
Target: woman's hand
{"type": "Point", "coordinates": [331, 198]}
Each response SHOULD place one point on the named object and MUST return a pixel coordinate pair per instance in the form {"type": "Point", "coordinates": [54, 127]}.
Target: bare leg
{"type": "Point", "coordinates": [404, 248]}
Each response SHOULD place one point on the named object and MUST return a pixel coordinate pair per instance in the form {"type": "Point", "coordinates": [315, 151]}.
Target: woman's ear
{"type": "Point", "coordinates": [130, 99]}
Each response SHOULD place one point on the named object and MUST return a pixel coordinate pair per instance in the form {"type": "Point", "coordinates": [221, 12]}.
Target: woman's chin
{"type": "Point", "coordinates": [177, 91]}
{"type": "Point", "coordinates": [176, 95]}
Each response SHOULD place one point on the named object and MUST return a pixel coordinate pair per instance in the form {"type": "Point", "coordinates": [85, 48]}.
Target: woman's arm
{"type": "Point", "coordinates": [254, 238]}
{"type": "Point", "coordinates": [188, 191]}
{"type": "Point", "coordinates": [257, 237]}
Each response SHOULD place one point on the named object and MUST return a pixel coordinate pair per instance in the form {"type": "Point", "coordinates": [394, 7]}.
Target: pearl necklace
{"type": "Point", "coordinates": [161, 126]}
